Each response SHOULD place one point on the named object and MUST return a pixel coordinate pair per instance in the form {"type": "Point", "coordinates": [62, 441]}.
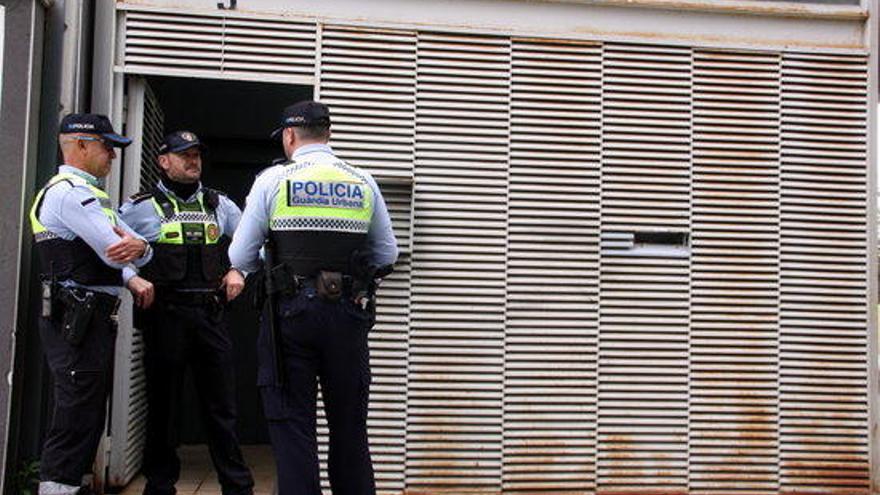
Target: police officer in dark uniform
{"type": "Point", "coordinates": [83, 248]}
{"type": "Point", "coordinates": [329, 233]}
{"type": "Point", "coordinates": [180, 308]}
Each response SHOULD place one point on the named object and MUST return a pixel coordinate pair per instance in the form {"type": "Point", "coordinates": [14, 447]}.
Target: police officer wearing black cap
{"type": "Point", "coordinates": [329, 236]}
{"type": "Point", "coordinates": [180, 308]}
{"type": "Point", "coordinates": [84, 251]}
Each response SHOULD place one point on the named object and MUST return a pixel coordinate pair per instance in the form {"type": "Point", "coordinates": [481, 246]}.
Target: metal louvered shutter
{"type": "Point", "coordinates": [635, 268]}
{"type": "Point", "coordinates": [217, 45]}
{"type": "Point", "coordinates": [368, 80]}
{"type": "Point", "coordinates": [823, 397]}
{"type": "Point", "coordinates": [644, 306]}
{"type": "Point", "coordinates": [552, 276]}
{"type": "Point", "coordinates": [735, 273]}
{"type": "Point", "coordinates": [454, 427]}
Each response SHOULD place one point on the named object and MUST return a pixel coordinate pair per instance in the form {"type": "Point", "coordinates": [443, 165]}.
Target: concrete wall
{"type": "Point", "coordinates": [18, 133]}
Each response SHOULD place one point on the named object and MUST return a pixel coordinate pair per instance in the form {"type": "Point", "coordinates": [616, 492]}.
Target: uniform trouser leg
{"type": "Point", "coordinates": [345, 385]}
{"type": "Point", "coordinates": [82, 379]}
{"type": "Point", "coordinates": [327, 340]}
{"type": "Point", "coordinates": [214, 375]}
{"type": "Point", "coordinates": [291, 409]}
{"type": "Point", "coordinates": [165, 343]}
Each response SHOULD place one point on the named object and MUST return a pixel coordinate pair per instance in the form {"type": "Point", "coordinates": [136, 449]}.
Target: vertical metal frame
{"type": "Point", "coordinates": [119, 427]}
{"type": "Point", "coordinates": [871, 41]}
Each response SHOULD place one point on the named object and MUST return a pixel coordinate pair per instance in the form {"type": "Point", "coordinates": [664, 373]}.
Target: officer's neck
{"type": "Point", "coordinates": [301, 147]}
{"type": "Point", "coordinates": [81, 171]}
{"type": "Point", "coordinates": [182, 190]}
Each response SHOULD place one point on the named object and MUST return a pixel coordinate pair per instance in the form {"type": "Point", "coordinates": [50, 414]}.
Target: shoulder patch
{"type": "Point", "coordinates": [212, 197]}
{"type": "Point", "coordinates": [208, 190]}
{"type": "Point", "coordinates": [141, 196]}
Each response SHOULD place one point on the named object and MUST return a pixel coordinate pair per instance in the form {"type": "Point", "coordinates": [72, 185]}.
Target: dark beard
{"type": "Point", "coordinates": [180, 189]}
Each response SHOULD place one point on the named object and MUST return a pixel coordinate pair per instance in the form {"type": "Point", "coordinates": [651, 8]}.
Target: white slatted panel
{"type": "Point", "coordinates": [454, 428]}
{"type": "Point", "coordinates": [552, 277]}
{"type": "Point", "coordinates": [643, 315]}
{"type": "Point", "coordinates": [153, 133]}
{"type": "Point", "coordinates": [217, 45]}
{"type": "Point", "coordinates": [264, 47]}
{"type": "Point", "coordinates": [368, 80]}
{"type": "Point", "coordinates": [824, 402]}
{"type": "Point", "coordinates": [511, 353]}
{"type": "Point", "coordinates": [735, 273]}
{"type": "Point", "coordinates": [129, 407]}
{"type": "Point", "coordinates": [182, 40]}
{"type": "Point", "coordinates": [137, 406]}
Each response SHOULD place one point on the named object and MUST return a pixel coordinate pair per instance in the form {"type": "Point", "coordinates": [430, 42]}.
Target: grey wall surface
{"type": "Point", "coordinates": [21, 72]}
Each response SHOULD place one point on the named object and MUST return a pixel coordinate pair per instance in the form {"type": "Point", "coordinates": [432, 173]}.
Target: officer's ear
{"type": "Point", "coordinates": [164, 162]}
{"type": "Point", "coordinates": [288, 136]}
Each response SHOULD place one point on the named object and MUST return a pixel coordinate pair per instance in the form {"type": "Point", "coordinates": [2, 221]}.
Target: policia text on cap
{"type": "Point", "coordinates": [84, 249]}
{"type": "Point", "coordinates": [328, 236]}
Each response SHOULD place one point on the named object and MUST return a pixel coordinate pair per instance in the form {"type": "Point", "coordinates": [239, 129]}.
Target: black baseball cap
{"type": "Point", "coordinates": [302, 114]}
{"type": "Point", "coordinates": [92, 123]}
{"type": "Point", "coordinates": [179, 141]}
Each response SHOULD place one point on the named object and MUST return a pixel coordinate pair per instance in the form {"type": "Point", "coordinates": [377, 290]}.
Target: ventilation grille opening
{"type": "Point", "coordinates": [661, 239]}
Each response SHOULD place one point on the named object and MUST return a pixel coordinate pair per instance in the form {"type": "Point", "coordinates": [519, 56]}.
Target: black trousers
{"type": "Point", "coordinates": [175, 337]}
{"type": "Point", "coordinates": [328, 342]}
{"type": "Point", "coordinates": [82, 377]}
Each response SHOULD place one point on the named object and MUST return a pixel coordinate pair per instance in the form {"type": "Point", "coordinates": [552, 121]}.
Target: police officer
{"type": "Point", "coordinates": [188, 226]}
{"type": "Point", "coordinates": [83, 248]}
{"type": "Point", "coordinates": [326, 224]}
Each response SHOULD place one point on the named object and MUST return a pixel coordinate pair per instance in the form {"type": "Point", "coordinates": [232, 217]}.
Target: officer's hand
{"type": "Point", "coordinates": [129, 248]}
{"type": "Point", "coordinates": [234, 283]}
{"type": "Point", "coordinates": [142, 291]}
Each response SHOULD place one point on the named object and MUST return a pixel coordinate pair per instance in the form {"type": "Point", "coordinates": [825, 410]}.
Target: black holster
{"type": "Point", "coordinates": [78, 309]}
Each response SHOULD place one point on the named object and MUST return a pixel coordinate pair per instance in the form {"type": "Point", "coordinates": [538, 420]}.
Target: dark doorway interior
{"type": "Point", "coordinates": [234, 119]}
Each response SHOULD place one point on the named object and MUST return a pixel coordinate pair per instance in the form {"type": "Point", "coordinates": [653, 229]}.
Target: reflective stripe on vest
{"type": "Point", "coordinates": [322, 197]}
{"type": "Point", "coordinates": [191, 223]}
{"type": "Point", "coordinates": [39, 230]}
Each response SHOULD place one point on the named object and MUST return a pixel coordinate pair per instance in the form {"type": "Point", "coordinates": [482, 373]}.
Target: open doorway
{"type": "Point", "coordinates": [234, 119]}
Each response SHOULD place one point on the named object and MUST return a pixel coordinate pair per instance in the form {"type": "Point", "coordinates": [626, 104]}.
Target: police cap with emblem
{"type": "Point", "coordinates": [303, 114]}
{"type": "Point", "coordinates": [92, 123]}
{"type": "Point", "coordinates": [180, 141]}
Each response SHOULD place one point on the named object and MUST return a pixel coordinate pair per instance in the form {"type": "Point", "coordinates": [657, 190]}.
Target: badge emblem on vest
{"type": "Point", "coordinates": [213, 232]}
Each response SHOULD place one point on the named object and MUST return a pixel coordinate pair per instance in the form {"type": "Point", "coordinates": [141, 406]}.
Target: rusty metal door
{"type": "Point", "coordinates": [627, 268]}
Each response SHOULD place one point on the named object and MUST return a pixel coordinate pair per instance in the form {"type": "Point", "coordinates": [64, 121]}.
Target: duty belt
{"type": "Point", "coordinates": [286, 282]}
{"type": "Point", "coordinates": [105, 303]}
{"type": "Point", "coordinates": [190, 297]}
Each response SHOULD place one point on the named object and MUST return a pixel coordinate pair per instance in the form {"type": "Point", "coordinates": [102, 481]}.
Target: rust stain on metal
{"type": "Point", "coordinates": [786, 9]}
{"type": "Point", "coordinates": [846, 491]}
{"type": "Point", "coordinates": [557, 41]}
{"type": "Point", "coordinates": [860, 463]}
{"type": "Point", "coordinates": [641, 491]}
{"type": "Point", "coordinates": [447, 491]}
{"type": "Point", "coordinates": [710, 39]}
